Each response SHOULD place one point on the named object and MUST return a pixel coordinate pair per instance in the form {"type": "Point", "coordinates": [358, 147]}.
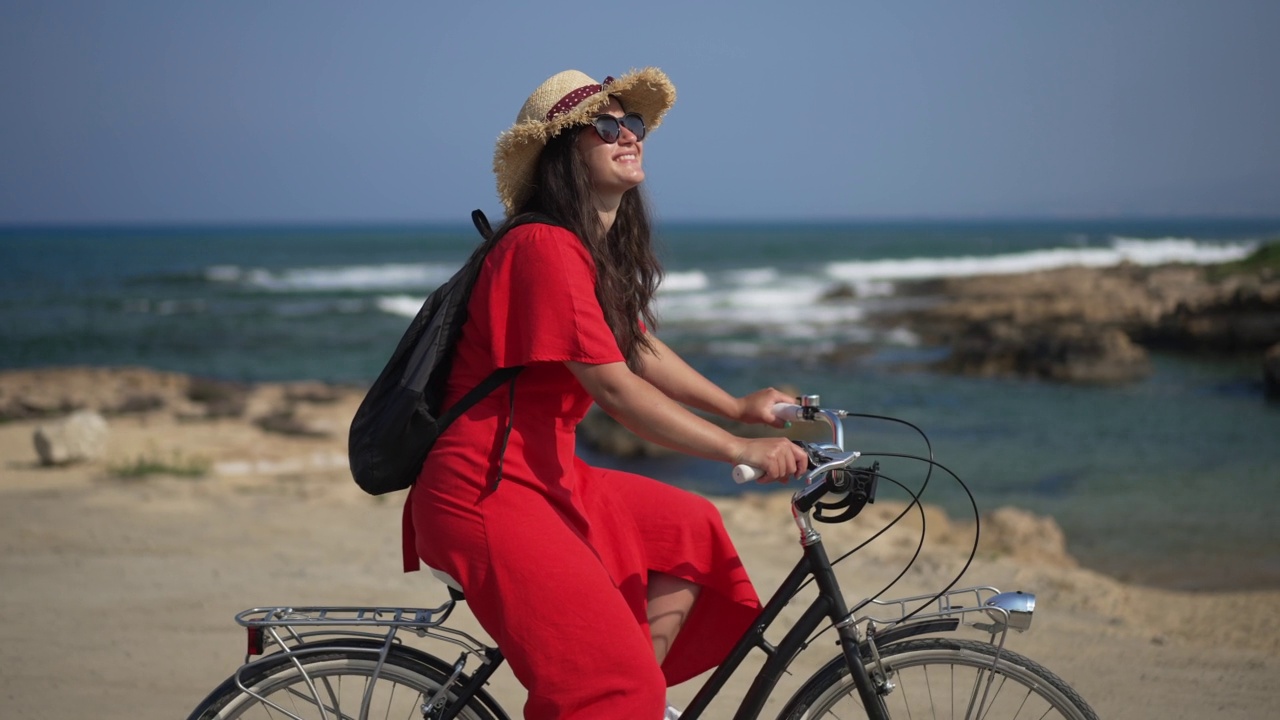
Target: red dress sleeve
{"type": "Point", "coordinates": [543, 305]}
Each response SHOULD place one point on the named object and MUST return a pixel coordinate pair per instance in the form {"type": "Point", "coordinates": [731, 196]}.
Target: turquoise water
{"type": "Point", "coordinates": [1170, 481]}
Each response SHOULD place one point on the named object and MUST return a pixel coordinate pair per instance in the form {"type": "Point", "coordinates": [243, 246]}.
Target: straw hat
{"type": "Point", "coordinates": [565, 100]}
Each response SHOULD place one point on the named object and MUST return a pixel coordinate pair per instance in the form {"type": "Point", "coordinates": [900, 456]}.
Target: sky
{"type": "Point", "coordinates": [275, 111]}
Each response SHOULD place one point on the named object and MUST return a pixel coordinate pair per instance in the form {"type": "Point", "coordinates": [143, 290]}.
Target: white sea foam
{"type": "Point", "coordinates": [335, 279]}
{"type": "Point", "coordinates": [763, 304]}
{"type": "Point", "coordinates": [685, 281]}
{"type": "Point", "coordinates": [751, 277]}
{"type": "Point", "coordinates": [403, 305]}
{"type": "Point", "coordinates": [1183, 250]}
{"type": "Point", "coordinates": [1137, 251]}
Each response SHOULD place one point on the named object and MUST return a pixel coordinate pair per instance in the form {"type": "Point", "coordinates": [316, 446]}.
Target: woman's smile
{"type": "Point", "coordinates": [614, 167]}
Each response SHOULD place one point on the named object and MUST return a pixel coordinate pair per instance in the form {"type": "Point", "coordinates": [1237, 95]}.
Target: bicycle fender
{"type": "Point", "coordinates": [901, 632]}
{"type": "Point", "coordinates": [428, 659]}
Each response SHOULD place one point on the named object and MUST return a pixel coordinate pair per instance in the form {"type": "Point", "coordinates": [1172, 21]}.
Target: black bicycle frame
{"type": "Point", "coordinates": [828, 605]}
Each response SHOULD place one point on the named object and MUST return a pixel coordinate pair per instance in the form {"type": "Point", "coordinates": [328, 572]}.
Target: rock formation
{"type": "Point", "coordinates": [1095, 325]}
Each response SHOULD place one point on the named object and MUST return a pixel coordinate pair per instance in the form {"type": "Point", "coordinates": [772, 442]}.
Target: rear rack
{"type": "Point", "coordinates": [339, 616]}
{"type": "Point", "coordinates": [300, 630]}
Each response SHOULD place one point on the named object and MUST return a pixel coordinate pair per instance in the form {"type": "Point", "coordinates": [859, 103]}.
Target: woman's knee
{"type": "Point", "coordinates": [670, 600]}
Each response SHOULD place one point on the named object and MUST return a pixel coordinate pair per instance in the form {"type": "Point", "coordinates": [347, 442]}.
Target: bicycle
{"type": "Point", "coordinates": [351, 662]}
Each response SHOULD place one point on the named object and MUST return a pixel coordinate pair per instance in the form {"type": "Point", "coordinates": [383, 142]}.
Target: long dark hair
{"type": "Point", "coordinates": [627, 269]}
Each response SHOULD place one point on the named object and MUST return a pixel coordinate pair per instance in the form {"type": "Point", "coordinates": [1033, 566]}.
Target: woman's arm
{"type": "Point", "coordinates": [668, 372]}
{"type": "Point", "coordinates": [647, 411]}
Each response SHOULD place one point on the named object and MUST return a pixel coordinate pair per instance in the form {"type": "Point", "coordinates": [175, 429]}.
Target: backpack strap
{"type": "Point", "coordinates": [478, 393]}
{"type": "Point", "coordinates": [482, 223]}
{"type": "Point", "coordinates": [511, 421]}
{"type": "Point", "coordinates": [483, 227]}
{"type": "Point", "coordinates": [501, 375]}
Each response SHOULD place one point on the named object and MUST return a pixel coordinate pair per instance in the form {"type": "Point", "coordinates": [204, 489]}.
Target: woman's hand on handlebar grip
{"type": "Point", "coordinates": [757, 407]}
{"type": "Point", "coordinates": [778, 459]}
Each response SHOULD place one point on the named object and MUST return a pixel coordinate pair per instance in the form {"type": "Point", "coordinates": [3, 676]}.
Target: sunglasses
{"type": "Point", "coordinates": [609, 127]}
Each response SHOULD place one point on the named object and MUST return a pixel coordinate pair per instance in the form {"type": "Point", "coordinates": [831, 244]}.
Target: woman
{"type": "Point", "coordinates": [602, 588]}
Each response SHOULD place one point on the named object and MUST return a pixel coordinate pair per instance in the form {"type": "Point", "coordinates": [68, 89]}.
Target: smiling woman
{"type": "Point", "coordinates": [614, 153]}
{"type": "Point", "coordinates": [602, 587]}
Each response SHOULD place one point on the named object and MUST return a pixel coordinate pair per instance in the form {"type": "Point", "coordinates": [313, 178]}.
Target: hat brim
{"type": "Point", "coordinates": [647, 91]}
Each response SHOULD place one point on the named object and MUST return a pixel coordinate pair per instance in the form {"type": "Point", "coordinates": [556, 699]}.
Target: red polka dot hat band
{"type": "Point", "coordinates": [571, 100]}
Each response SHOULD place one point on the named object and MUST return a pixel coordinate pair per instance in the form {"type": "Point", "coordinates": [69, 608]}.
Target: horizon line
{"type": "Point", "coordinates": [197, 224]}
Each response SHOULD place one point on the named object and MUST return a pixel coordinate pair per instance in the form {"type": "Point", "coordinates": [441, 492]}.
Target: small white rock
{"type": "Point", "coordinates": [78, 437]}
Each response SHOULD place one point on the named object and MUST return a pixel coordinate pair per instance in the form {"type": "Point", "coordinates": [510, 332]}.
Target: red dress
{"type": "Point", "coordinates": [555, 560]}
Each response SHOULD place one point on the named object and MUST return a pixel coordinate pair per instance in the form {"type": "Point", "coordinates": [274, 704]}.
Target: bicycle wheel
{"type": "Point", "coordinates": [332, 685]}
{"type": "Point", "coordinates": [945, 678]}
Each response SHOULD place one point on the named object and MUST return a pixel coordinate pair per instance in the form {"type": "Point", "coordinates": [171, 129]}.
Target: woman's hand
{"type": "Point", "coordinates": [757, 408]}
{"type": "Point", "coordinates": [779, 458]}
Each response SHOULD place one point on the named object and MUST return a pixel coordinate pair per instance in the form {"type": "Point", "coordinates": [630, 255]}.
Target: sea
{"type": "Point", "coordinates": [1173, 481]}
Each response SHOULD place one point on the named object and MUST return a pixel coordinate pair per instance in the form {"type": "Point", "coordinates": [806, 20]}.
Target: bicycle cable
{"type": "Point", "coordinates": [973, 549]}
{"type": "Point", "coordinates": [915, 502]}
{"type": "Point", "coordinates": [932, 463]}
{"type": "Point", "coordinates": [915, 499]}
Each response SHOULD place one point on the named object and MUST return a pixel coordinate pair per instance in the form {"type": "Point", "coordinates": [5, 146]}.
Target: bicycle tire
{"type": "Point", "coordinates": [944, 678]}
{"type": "Point", "coordinates": [340, 677]}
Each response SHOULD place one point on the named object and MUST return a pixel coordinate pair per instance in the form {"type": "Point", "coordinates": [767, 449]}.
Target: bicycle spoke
{"type": "Point", "coordinates": [327, 710]}
{"type": "Point", "coordinates": [947, 679]}
{"type": "Point", "coordinates": [341, 685]}
{"type": "Point", "coordinates": [906, 694]}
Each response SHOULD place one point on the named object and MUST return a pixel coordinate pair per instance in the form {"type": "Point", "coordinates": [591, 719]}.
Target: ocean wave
{"type": "Point", "coordinates": [334, 279]}
{"type": "Point", "coordinates": [1133, 250]}
{"type": "Point", "coordinates": [781, 302]}
{"type": "Point", "coordinates": [164, 306]}
{"type": "Point", "coordinates": [685, 281]}
{"type": "Point", "coordinates": [400, 305]}
{"type": "Point", "coordinates": [1179, 250]}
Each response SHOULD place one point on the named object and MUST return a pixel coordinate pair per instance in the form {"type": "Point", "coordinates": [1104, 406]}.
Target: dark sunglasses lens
{"type": "Point", "coordinates": [634, 123]}
{"type": "Point", "coordinates": [607, 128]}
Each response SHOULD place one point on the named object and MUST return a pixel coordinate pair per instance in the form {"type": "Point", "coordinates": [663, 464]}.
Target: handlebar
{"type": "Point", "coordinates": [829, 474]}
{"type": "Point", "coordinates": [801, 413]}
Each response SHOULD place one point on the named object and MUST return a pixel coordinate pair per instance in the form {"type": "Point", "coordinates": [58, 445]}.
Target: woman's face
{"type": "Point", "coordinates": [614, 167]}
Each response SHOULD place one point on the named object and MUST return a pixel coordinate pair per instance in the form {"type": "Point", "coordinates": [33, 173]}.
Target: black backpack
{"type": "Point", "coordinates": [402, 415]}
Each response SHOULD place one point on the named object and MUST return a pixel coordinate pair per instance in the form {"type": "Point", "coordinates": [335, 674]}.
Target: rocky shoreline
{"type": "Point", "coordinates": [1099, 325]}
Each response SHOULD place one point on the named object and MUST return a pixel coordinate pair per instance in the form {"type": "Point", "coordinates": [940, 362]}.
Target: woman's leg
{"type": "Point", "coordinates": [670, 600]}
{"type": "Point", "coordinates": [664, 533]}
{"type": "Point", "coordinates": [543, 594]}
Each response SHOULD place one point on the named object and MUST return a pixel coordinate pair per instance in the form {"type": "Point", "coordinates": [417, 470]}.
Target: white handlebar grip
{"type": "Point", "coordinates": [788, 412]}
{"type": "Point", "coordinates": [746, 473]}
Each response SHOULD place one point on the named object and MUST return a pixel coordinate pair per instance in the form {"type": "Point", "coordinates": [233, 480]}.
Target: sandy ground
{"type": "Point", "coordinates": [117, 596]}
